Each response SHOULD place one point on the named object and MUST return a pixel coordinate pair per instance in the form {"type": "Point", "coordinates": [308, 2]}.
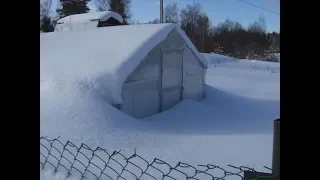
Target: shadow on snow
{"type": "Point", "coordinates": [219, 113]}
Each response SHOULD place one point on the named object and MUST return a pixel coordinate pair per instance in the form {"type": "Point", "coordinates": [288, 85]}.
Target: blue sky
{"type": "Point", "coordinates": [217, 10]}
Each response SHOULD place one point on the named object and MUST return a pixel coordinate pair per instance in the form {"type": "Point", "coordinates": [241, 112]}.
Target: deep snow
{"type": "Point", "coordinates": [48, 174]}
{"type": "Point", "coordinates": [213, 58]}
{"type": "Point", "coordinates": [85, 20]}
{"type": "Point", "coordinates": [100, 59]}
{"type": "Point", "coordinates": [232, 125]}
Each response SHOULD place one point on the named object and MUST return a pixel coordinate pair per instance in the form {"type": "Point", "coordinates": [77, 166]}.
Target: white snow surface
{"type": "Point", "coordinates": [102, 16]}
{"type": "Point", "coordinates": [84, 21]}
{"type": "Point", "coordinates": [232, 125]}
{"type": "Point", "coordinates": [48, 174]}
{"type": "Point", "coordinates": [213, 58]}
{"type": "Point", "coordinates": [100, 59]}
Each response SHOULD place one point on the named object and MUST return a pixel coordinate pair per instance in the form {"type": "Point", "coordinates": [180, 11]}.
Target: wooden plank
{"type": "Point", "coordinates": [276, 147]}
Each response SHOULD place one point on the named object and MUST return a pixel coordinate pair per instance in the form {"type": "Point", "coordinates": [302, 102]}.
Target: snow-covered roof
{"type": "Point", "coordinates": [85, 20]}
{"type": "Point", "coordinates": [102, 16]}
{"type": "Point", "coordinates": [101, 58]}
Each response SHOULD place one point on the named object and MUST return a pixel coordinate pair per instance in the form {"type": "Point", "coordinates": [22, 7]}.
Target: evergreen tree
{"type": "Point", "coordinates": [46, 24]}
{"type": "Point", "coordinates": [70, 7]}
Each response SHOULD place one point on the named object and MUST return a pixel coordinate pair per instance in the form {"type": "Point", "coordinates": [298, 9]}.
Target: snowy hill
{"type": "Point", "coordinates": [232, 125]}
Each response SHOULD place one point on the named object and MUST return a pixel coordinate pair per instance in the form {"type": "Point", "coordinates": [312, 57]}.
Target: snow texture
{"type": "Point", "coordinates": [85, 20]}
{"type": "Point", "coordinates": [48, 174]}
{"type": "Point", "coordinates": [232, 125]}
{"type": "Point", "coordinates": [217, 58]}
{"type": "Point", "coordinates": [100, 59]}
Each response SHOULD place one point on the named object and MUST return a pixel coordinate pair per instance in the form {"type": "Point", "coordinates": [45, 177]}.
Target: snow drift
{"type": "Point", "coordinates": [213, 58]}
{"type": "Point", "coordinates": [232, 125]}
{"type": "Point", "coordinates": [85, 20]}
{"type": "Point", "coordinates": [101, 58]}
{"type": "Point", "coordinates": [238, 101]}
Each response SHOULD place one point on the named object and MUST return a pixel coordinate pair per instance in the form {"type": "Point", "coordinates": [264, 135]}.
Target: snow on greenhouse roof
{"type": "Point", "coordinates": [103, 58]}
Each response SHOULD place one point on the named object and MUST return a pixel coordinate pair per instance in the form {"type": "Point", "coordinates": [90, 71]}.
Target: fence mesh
{"type": "Point", "coordinates": [87, 163]}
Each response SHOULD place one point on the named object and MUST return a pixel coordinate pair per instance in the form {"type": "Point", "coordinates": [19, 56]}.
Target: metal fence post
{"type": "Point", "coordinates": [276, 148]}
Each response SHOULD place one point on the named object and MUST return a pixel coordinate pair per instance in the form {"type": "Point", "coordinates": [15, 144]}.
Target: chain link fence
{"type": "Point", "coordinates": [98, 164]}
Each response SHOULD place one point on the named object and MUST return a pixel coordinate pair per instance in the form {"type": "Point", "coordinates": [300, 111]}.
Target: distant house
{"type": "Point", "coordinates": [88, 21]}
{"type": "Point", "coordinates": [139, 69]}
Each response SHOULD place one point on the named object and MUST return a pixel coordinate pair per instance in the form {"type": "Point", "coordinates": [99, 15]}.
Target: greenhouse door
{"type": "Point", "coordinates": [171, 78]}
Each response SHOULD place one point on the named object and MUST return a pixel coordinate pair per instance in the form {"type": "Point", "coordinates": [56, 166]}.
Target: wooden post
{"type": "Point", "coordinates": [161, 11]}
{"type": "Point", "coordinates": [252, 175]}
{"type": "Point", "coordinates": [276, 148]}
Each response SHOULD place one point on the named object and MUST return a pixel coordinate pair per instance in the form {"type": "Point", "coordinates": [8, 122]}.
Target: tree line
{"type": "Point", "coordinates": [227, 38]}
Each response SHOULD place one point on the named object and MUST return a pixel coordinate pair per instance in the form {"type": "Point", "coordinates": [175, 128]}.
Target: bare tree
{"type": "Point", "coordinates": [45, 8]}
{"type": "Point", "coordinates": [189, 16]}
{"type": "Point", "coordinates": [122, 7]}
{"type": "Point", "coordinates": [171, 13]}
{"type": "Point", "coordinates": [196, 25]}
{"type": "Point", "coordinates": [155, 21]}
{"type": "Point", "coordinates": [258, 26]}
{"type": "Point", "coordinates": [257, 32]}
{"type": "Point", "coordinates": [102, 5]}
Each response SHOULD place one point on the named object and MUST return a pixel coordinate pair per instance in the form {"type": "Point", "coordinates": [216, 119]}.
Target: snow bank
{"type": "Point", "coordinates": [76, 26]}
{"type": "Point", "coordinates": [228, 62]}
{"type": "Point", "coordinates": [258, 65]}
{"type": "Point", "coordinates": [238, 101]}
{"type": "Point", "coordinates": [101, 58]}
{"type": "Point", "coordinates": [102, 16]}
{"type": "Point", "coordinates": [48, 174]}
{"type": "Point", "coordinates": [85, 20]}
{"type": "Point", "coordinates": [213, 58]}
{"type": "Point", "coordinates": [232, 125]}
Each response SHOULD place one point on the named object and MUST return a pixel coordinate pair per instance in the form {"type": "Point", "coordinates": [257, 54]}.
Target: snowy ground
{"type": "Point", "coordinates": [232, 125]}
